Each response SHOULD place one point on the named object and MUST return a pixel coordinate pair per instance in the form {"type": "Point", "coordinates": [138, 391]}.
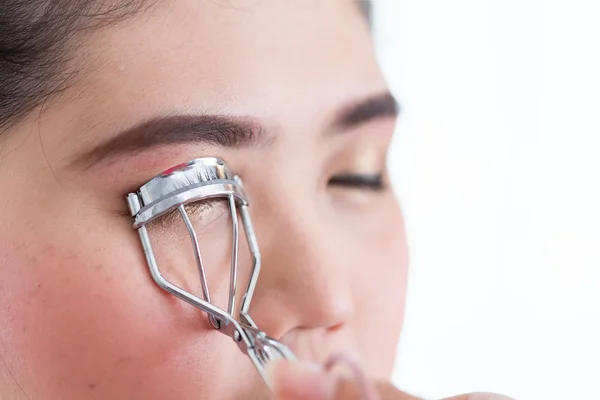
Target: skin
{"type": "Point", "coordinates": [298, 381]}
{"type": "Point", "coordinates": [81, 317]}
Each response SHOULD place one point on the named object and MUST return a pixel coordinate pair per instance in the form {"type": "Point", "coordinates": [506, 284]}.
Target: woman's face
{"type": "Point", "coordinates": [289, 94]}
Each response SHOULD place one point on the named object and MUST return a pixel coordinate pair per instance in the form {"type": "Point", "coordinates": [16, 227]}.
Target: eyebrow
{"type": "Point", "coordinates": [221, 130]}
{"type": "Point", "coordinates": [376, 107]}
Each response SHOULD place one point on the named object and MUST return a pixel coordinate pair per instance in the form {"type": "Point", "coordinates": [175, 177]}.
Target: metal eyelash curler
{"type": "Point", "coordinates": [206, 179]}
{"type": "Point", "coordinates": [196, 181]}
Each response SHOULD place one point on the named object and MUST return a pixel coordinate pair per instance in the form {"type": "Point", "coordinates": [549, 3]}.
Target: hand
{"type": "Point", "coordinates": [295, 381]}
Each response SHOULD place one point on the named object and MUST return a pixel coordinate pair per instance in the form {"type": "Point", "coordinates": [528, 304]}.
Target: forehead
{"type": "Point", "coordinates": [218, 54]}
{"type": "Point", "coordinates": [289, 64]}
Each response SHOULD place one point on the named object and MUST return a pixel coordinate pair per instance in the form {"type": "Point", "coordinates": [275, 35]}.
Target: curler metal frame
{"type": "Point", "coordinates": [200, 180]}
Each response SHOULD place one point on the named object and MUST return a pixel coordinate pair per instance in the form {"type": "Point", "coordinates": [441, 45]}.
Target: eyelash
{"type": "Point", "coordinates": [194, 211]}
{"type": "Point", "coordinates": [369, 182]}
{"type": "Point", "coordinates": [372, 182]}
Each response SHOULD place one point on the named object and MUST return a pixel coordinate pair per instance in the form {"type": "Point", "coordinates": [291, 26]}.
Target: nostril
{"type": "Point", "coordinates": [336, 328]}
{"type": "Point", "coordinates": [330, 310]}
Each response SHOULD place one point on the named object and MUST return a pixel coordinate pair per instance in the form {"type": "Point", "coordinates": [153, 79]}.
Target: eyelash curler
{"type": "Point", "coordinates": [207, 179]}
{"type": "Point", "coordinates": [200, 180]}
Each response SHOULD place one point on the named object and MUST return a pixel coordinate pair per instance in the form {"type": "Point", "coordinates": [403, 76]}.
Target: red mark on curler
{"type": "Point", "coordinates": [173, 169]}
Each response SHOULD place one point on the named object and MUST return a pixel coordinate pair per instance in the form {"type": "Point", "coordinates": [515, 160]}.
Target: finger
{"type": "Point", "coordinates": [479, 396]}
{"type": "Point", "coordinates": [295, 381]}
{"type": "Point", "coordinates": [291, 380]}
{"type": "Point", "coordinates": [347, 389]}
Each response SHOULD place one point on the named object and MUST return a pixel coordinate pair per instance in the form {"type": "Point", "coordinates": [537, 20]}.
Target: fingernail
{"type": "Point", "coordinates": [293, 380]}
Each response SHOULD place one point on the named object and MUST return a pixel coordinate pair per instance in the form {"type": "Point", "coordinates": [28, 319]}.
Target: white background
{"type": "Point", "coordinates": [497, 164]}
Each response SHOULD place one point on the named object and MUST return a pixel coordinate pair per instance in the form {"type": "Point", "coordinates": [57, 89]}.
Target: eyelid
{"type": "Point", "coordinates": [358, 181]}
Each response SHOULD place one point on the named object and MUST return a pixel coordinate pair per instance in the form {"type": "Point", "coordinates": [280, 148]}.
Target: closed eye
{"type": "Point", "coordinates": [373, 182]}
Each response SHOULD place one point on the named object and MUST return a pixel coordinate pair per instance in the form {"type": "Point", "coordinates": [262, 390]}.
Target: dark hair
{"type": "Point", "coordinates": [37, 41]}
{"type": "Point", "coordinates": [367, 9]}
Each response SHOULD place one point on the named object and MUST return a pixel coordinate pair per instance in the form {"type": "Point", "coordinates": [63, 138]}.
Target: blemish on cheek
{"type": "Point", "coordinates": [124, 359]}
{"type": "Point", "coordinates": [92, 385]}
{"type": "Point", "coordinates": [49, 250]}
{"type": "Point", "coordinates": [71, 255]}
{"type": "Point", "coordinates": [34, 291]}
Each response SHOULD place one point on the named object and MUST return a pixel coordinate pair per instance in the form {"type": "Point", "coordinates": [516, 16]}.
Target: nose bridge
{"type": "Point", "coordinates": [303, 282]}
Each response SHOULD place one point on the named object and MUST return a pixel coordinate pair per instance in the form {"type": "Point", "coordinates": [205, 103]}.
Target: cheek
{"type": "Point", "coordinates": [85, 318]}
{"type": "Point", "coordinates": [380, 294]}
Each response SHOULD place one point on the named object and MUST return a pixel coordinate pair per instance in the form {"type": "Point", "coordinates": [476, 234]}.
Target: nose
{"type": "Point", "coordinates": [304, 281]}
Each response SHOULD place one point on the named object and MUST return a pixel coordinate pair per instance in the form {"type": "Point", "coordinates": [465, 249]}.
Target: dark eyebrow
{"type": "Point", "coordinates": [219, 130]}
{"type": "Point", "coordinates": [215, 130]}
{"type": "Point", "coordinates": [382, 106]}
